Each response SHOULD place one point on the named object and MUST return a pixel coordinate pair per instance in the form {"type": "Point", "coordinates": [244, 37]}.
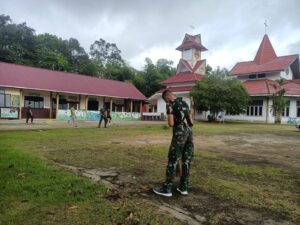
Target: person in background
{"type": "Point", "coordinates": [221, 117]}
{"type": "Point", "coordinates": [73, 116]}
{"type": "Point", "coordinates": [108, 116]}
{"type": "Point", "coordinates": [103, 116]}
{"type": "Point", "coordinates": [29, 113]}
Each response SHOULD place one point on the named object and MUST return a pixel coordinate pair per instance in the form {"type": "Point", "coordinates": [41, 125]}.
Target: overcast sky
{"type": "Point", "coordinates": [231, 30]}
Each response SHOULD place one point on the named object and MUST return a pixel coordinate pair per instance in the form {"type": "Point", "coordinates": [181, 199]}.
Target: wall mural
{"type": "Point", "coordinates": [9, 113]}
{"type": "Point", "coordinates": [95, 115]}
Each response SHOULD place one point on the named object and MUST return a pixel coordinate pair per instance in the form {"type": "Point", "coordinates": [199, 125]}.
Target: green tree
{"type": "Point", "coordinates": [165, 68]}
{"type": "Point", "coordinates": [216, 93]}
{"type": "Point", "coordinates": [279, 100]}
{"type": "Point", "coordinates": [208, 70]}
{"type": "Point", "coordinates": [106, 54]}
{"type": "Point", "coordinates": [17, 42]}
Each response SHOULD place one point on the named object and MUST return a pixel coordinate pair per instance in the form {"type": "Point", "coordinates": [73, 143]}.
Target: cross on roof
{"type": "Point", "coordinates": [266, 25]}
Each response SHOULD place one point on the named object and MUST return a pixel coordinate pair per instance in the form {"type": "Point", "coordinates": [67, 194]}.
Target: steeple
{"type": "Point", "coordinates": [191, 48]}
{"type": "Point", "coordinates": [265, 51]}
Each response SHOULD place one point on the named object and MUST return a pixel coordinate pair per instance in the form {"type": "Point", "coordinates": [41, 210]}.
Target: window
{"type": "Point", "coordinates": [298, 108]}
{"type": "Point", "coordinates": [255, 108]}
{"type": "Point", "coordinates": [261, 75]}
{"type": "Point", "coordinates": [2, 102]}
{"type": "Point", "coordinates": [4, 99]}
{"type": "Point", "coordinates": [252, 77]}
{"type": "Point", "coordinates": [35, 102]}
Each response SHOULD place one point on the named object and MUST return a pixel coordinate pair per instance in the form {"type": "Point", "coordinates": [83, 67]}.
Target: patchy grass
{"type": "Point", "coordinates": [34, 190]}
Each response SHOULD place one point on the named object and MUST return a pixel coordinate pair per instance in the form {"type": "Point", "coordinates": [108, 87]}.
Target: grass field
{"type": "Point", "coordinates": [241, 174]}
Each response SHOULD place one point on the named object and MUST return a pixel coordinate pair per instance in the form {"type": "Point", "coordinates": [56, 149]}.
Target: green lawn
{"type": "Point", "coordinates": [33, 190]}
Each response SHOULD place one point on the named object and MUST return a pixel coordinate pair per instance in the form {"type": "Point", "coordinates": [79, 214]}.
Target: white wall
{"type": "Point", "coordinates": [187, 55]}
{"type": "Point", "coordinates": [287, 74]}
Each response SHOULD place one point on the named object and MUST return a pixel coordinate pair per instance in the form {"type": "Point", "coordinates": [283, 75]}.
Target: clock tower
{"type": "Point", "coordinates": [191, 49]}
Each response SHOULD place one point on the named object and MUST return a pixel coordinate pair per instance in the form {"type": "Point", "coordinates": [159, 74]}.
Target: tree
{"type": "Point", "coordinates": [17, 42]}
{"type": "Point", "coordinates": [106, 54]}
{"type": "Point", "coordinates": [165, 68]}
{"type": "Point", "coordinates": [216, 93]}
{"type": "Point", "coordinates": [279, 101]}
{"type": "Point", "coordinates": [208, 70]}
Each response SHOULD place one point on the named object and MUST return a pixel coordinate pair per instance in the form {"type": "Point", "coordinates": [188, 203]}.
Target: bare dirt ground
{"type": "Point", "coordinates": [207, 202]}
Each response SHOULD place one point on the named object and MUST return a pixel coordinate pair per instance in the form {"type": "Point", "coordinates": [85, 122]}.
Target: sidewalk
{"type": "Point", "coordinates": [52, 124]}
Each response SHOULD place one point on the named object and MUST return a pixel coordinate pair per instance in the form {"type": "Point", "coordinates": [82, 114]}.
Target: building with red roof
{"type": "Point", "coordinates": [258, 77]}
{"type": "Point", "coordinates": [190, 69]}
{"type": "Point", "coordinates": [53, 93]}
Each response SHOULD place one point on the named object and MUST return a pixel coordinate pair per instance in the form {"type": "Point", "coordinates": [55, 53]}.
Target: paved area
{"type": "Point", "coordinates": [51, 124]}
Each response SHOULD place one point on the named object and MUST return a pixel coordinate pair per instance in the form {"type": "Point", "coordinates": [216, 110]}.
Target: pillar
{"type": "Point", "coordinates": [57, 105]}
{"type": "Point", "coordinates": [110, 105]}
{"type": "Point", "coordinates": [51, 107]}
{"type": "Point", "coordinates": [131, 105]}
{"type": "Point", "coordinates": [141, 110]}
{"type": "Point", "coordinates": [86, 102]}
{"type": "Point", "coordinates": [267, 110]}
{"type": "Point", "coordinates": [20, 104]}
{"type": "Point", "coordinates": [192, 106]}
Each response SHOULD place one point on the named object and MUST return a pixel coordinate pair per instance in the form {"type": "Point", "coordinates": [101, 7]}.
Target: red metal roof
{"type": "Point", "coordinates": [265, 51]}
{"type": "Point", "coordinates": [264, 87]}
{"type": "Point", "coordinates": [177, 89]}
{"type": "Point", "coordinates": [190, 44]}
{"type": "Point", "coordinates": [182, 77]}
{"type": "Point", "coordinates": [265, 61]}
{"type": "Point", "coordinates": [250, 67]}
{"type": "Point", "coordinates": [19, 76]}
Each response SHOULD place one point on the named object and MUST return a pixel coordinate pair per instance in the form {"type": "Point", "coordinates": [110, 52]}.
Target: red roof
{"type": "Point", "coordinates": [19, 76]}
{"type": "Point", "coordinates": [191, 41]}
{"type": "Point", "coordinates": [278, 64]}
{"type": "Point", "coordinates": [177, 89]}
{"type": "Point", "coordinates": [265, 61]}
{"type": "Point", "coordinates": [182, 77]}
{"type": "Point", "coordinates": [264, 87]}
{"type": "Point", "coordinates": [190, 44]}
{"type": "Point", "coordinates": [265, 51]}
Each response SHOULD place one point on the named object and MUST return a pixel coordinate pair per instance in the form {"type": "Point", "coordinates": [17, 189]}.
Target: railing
{"type": "Point", "coordinates": [153, 116]}
{"type": "Point", "coordinates": [292, 121]}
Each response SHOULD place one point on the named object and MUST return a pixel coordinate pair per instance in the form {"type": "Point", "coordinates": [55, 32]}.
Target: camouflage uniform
{"type": "Point", "coordinates": [182, 146]}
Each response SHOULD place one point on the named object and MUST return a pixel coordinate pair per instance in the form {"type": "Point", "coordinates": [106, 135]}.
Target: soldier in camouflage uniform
{"type": "Point", "coordinates": [182, 147]}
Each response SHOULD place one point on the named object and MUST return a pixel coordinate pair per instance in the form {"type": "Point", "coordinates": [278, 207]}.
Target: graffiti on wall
{"type": "Point", "coordinates": [95, 115]}
{"type": "Point", "coordinates": [9, 113]}
{"type": "Point", "coordinates": [125, 116]}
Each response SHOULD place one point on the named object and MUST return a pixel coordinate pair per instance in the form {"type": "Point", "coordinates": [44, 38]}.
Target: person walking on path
{"type": "Point", "coordinates": [73, 116]}
{"type": "Point", "coordinates": [103, 116]}
{"type": "Point", "coordinates": [180, 117]}
{"type": "Point", "coordinates": [29, 113]}
{"type": "Point", "coordinates": [221, 117]}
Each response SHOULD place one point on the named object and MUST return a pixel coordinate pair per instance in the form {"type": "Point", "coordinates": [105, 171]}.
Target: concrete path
{"type": "Point", "coordinates": [52, 124]}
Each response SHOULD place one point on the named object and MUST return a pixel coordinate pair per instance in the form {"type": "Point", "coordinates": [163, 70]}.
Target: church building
{"type": "Point", "coordinates": [258, 77]}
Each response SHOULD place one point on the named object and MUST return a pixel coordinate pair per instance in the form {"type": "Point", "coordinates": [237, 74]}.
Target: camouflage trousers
{"type": "Point", "coordinates": [181, 148]}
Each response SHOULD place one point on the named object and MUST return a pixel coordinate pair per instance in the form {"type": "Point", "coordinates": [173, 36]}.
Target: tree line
{"type": "Point", "coordinates": [21, 45]}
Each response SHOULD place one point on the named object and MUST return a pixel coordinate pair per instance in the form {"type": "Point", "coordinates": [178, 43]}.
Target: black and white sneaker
{"type": "Point", "coordinates": [182, 192]}
{"type": "Point", "coordinates": [162, 192]}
